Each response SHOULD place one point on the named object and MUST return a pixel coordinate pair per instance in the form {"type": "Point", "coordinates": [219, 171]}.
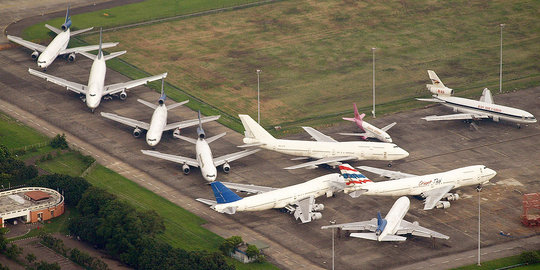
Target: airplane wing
{"type": "Point", "coordinates": [457, 116]}
{"type": "Point", "coordinates": [435, 195]}
{"type": "Point", "coordinates": [248, 188]}
{"type": "Point", "coordinates": [88, 48]}
{"type": "Point", "coordinates": [386, 173]}
{"type": "Point", "coordinates": [370, 225]}
{"type": "Point", "coordinates": [54, 29]}
{"type": "Point", "coordinates": [126, 121]}
{"type": "Point", "coordinates": [304, 209]}
{"type": "Point", "coordinates": [119, 87]}
{"type": "Point", "coordinates": [406, 227]}
{"type": "Point", "coordinates": [386, 128]}
{"type": "Point", "coordinates": [234, 156]}
{"type": "Point", "coordinates": [173, 158]}
{"type": "Point", "coordinates": [318, 136]}
{"type": "Point", "coordinates": [73, 86]}
{"type": "Point", "coordinates": [27, 44]}
{"type": "Point", "coordinates": [190, 123]}
{"type": "Point", "coordinates": [320, 161]}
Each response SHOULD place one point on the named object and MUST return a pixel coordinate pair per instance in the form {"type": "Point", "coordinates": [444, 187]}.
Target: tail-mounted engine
{"type": "Point", "coordinates": [66, 25]}
{"type": "Point", "coordinates": [162, 98]}
{"type": "Point", "coordinates": [200, 133]}
{"type": "Point", "coordinates": [123, 95]}
{"type": "Point", "coordinates": [226, 167]}
{"type": "Point", "coordinates": [71, 57]}
{"type": "Point", "coordinates": [185, 169]}
{"type": "Point", "coordinates": [35, 55]}
{"type": "Point", "coordinates": [136, 132]}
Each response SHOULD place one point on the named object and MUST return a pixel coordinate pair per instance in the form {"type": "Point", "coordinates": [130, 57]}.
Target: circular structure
{"type": "Point", "coordinates": [30, 204]}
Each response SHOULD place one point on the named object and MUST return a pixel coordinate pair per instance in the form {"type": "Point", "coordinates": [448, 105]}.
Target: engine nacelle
{"type": "Point", "coordinates": [452, 197]}
{"type": "Point", "coordinates": [442, 204]}
{"type": "Point", "coordinates": [66, 25]}
{"type": "Point", "coordinates": [162, 98]}
{"type": "Point", "coordinates": [316, 215]}
{"type": "Point", "coordinates": [176, 132]}
{"type": "Point", "coordinates": [185, 169]}
{"type": "Point", "coordinates": [226, 167]}
{"type": "Point", "coordinates": [318, 207]}
{"type": "Point", "coordinates": [35, 55]}
{"type": "Point", "coordinates": [137, 132]}
{"type": "Point", "coordinates": [71, 57]}
{"type": "Point", "coordinates": [443, 91]}
{"type": "Point", "coordinates": [123, 95]}
{"type": "Point", "coordinates": [200, 133]}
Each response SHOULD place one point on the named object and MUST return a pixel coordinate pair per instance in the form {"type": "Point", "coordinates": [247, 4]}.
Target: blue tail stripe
{"type": "Point", "coordinates": [223, 194]}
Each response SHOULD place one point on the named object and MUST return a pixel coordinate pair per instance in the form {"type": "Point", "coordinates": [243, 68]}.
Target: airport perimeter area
{"type": "Point", "coordinates": [434, 147]}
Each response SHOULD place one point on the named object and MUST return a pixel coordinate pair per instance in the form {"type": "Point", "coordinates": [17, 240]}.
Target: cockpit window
{"type": "Point", "coordinates": [152, 140]}
{"type": "Point", "coordinates": [92, 95]}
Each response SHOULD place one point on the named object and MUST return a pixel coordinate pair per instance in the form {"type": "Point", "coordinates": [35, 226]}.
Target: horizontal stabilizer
{"type": "Point", "coordinates": [430, 100]}
{"type": "Point", "coordinates": [372, 236]}
{"type": "Point", "coordinates": [251, 145]}
{"type": "Point", "coordinates": [113, 55]}
{"type": "Point", "coordinates": [206, 201]}
{"type": "Point", "coordinates": [369, 236]}
{"type": "Point", "coordinates": [213, 138]}
{"type": "Point", "coordinates": [386, 128]}
{"type": "Point", "coordinates": [187, 139]}
{"type": "Point", "coordinates": [353, 134]}
{"type": "Point", "coordinates": [223, 194]}
{"type": "Point", "coordinates": [177, 104]}
{"type": "Point", "coordinates": [357, 193]}
{"type": "Point", "coordinates": [80, 31]}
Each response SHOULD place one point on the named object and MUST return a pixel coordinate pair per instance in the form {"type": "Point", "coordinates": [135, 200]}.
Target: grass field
{"type": "Point", "coordinates": [316, 55]}
{"type": "Point", "coordinates": [500, 263]}
{"type": "Point", "coordinates": [70, 163]}
{"type": "Point", "coordinates": [15, 135]}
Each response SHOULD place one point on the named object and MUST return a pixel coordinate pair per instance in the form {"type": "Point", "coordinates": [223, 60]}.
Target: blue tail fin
{"type": "Point", "coordinates": [381, 224]}
{"type": "Point", "coordinates": [223, 194]}
{"type": "Point", "coordinates": [67, 22]}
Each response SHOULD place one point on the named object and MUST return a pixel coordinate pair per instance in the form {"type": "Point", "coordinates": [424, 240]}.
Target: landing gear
{"type": "Point", "coordinates": [389, 165]}
{"type": "Point", "coordinates": [519, 126]}
{"type": "Point", "coordinates": [479, 188]}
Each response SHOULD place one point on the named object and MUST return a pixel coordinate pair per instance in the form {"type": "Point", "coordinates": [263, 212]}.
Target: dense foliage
{"type": "Point", "coordinates": [13, 171]}
{"type": "Point", "coordinates": [59, 141]}
{"type": "Point", "coordinates": [72, 188]}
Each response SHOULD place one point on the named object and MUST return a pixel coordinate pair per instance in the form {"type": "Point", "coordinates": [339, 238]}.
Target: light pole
{"type": "Point", "coordinates": [478, 189]}
{"type": "Point", "coordinates": [333, 222]}
{"type": "Point", "coordinates": [258, 98]}
{"type": "Point", "coordinates": [500, 66]}
{"type": "Point", "coordinates": [373, 53]}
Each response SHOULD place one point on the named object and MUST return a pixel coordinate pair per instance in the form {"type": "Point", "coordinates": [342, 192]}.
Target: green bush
{"type": "Point", "coordinates": [59, 141]}
{"type": "Point", "coordinates": [530, 257]}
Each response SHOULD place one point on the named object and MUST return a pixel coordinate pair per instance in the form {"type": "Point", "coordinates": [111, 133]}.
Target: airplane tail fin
{"type": "Point", "coordinates": [200, 130]}
{"type": "Point", "coordinates": [357, 116]}
{"type": "Point", "coordinates": [100, 50]}
{"type": "Point", "coordinates": [435, 79]}
{"type": "Point", "coordinates": [162, 97]}
{"type": "Point", "coordinates": [436, 86]}
{"type": "Point", "coordinates": [223, 194]}
{"type": "Point", "coordinates": [486, 96]}
{"type": "Point", "coordinates": [352, 176]}
{"type": "Point", "coordinates": [67, 22]}
{"type": "Point", "coordinates": [253, 130]}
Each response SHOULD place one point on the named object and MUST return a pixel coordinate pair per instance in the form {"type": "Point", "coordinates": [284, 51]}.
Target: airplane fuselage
{"type": "Point", "coordinates": [205, 159]}
{"type": "Point", "coordinates": [379, 134]}
{"type": "Point", "coordinates": [58, 44]}
{"type": "Point", "coordinates": [494, 111]}
{"type": "Point", "coordinates": [394, 217]}
{"type": "Point", "coordinates": [279, 198]}
{"type": "Point", "coordinates": [466, 176]}
{"type": "Point", "coordinates": [157, 124]}
{"type": "Point", "coordinates": [315, 149]}
{"type": "Point", "coordinates": [96, 83]}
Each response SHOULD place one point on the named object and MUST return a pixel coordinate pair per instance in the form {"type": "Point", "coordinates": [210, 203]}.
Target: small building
{"type": "Point", "coordinates": [30, 204]}
{"type": "Point", "coordinates": [239, 252]}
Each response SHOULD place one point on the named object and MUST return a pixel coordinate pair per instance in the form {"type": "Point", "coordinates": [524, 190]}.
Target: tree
{"type": "Point", "coordinates": [42, 265]}
{"type": "Point", "coordinates": [59, 141]}
{"type": "Point", "coordinates": [30, 257]}
{"type": "Point", "coordinates": [529, 257]}
{"type": "Point", "coordinates": [72, 187]}
{"type": "Point", "coordinates": [13, 251]}
{"type": "Point", "coordinates": [227, 247]}
{"type": "Point", "coordinates": [252, 251]}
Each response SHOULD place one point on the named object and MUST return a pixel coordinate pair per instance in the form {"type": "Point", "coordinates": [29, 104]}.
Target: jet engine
{"type": "Point", "coordinates": [66, 25]}
{"type": "Point", "coordinates": [71, 57]}
{"type": "Point", "coordinates": [185, 169]}
{"type": "Point", "coordinates": [443, 91]}
{"type": "Point", "coordinates": [442, 204]}
{"type": "Point", "coordinates": [200, 133]}
{"type": "Point", "coordinates": [451, 196]}
{"type": "Point", "coordinates": [226, 167]}
{"type": "Point", "coordinates": [35, 55]}
{"type": "Point", "coordinates": [162, 98]}
{"type": "Point", "coordinates": [316, 215]}
{"type": "Point", "coordinates": [123, 95]}
{"type": "Point", "coordinates": [318, 207]}
{"type": "Point", "coordinates": [137, 132]}
{"type": "Point", "coordinates": [176, 132]}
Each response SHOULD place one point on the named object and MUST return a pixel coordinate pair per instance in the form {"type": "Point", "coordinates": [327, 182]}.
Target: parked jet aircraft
{"type": "Point", "coordinates": [96, 88]}
{"type": "Point", "coordinates": [325, 150]}
{"type": "Point", "coordinates": [370, 131]}
{"type": "Point", "coordinates": [58, 45]}
{"type": "Point", "coordinates": [298, 199]}
{"type": "Point", "coordinates": [434, 188]}
{"type": "Point", "coordinates": [204, 160]}
{"type": "Point", "coordinates": [472, 109]}
{"type": "Point", "coordinates": [158, 123]}
{"type": "Point", "coordinates": [391, 227]}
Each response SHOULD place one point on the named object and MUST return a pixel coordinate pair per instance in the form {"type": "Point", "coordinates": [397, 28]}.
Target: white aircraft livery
{"type": "Point", "coordinates": [204, 159]}
{"type": "Point", "coordinates": [434, 188]}
{"type": "Point", "coordinates": [58, 46]}
{"type": "Point", "coordinates": [92, 93]}
{"type": "Point", "coordinates": [391, 227]}
{"type": "Point", "coordinates": [298, 200]}
{"type": "Point", "coordinates": [158, 123]}
{"type": "Point", "coordinates": [325, 149]}
{"type": "Point", "coordinates": [369, 130]}
{"type": "Point", "coordinates": [470, 109]}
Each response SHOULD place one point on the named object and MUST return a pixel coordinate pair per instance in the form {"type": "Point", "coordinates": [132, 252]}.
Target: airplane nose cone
{"type": "Point", "coordinates": [491, 172]}
{"type": "Point", "coordinates": [404, 153]}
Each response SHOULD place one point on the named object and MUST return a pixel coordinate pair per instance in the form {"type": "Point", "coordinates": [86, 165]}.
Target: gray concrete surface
{"type": "Point", "coordinates": [434, 147]}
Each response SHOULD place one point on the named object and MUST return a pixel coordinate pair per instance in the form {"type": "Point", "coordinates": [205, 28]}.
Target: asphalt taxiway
{"type": "Point", "coordinates": [434, 147]}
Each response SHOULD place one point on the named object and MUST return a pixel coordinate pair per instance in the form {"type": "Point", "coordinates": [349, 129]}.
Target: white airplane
{"type": "Point", "coordinates": [391, 227]}
{"type": "Point", "coordinates": [96, 88]}
{"type": "Point", "coordinates": [370, 131]}
{"type": "Point", "coordinates": [298, 200]}
{"type": "Point", "coordinates": [58, 45]}
{"type": "Point", "coordinates": [204, 159]}
{"type": "Point", "coordinates": [470, 109]}
{"type": "Point", "coordinates": [434, 188]}
{"type": "Point", "coordinates": [158, 123]}
{"type": "Point", "coordinates": [325, 149]}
